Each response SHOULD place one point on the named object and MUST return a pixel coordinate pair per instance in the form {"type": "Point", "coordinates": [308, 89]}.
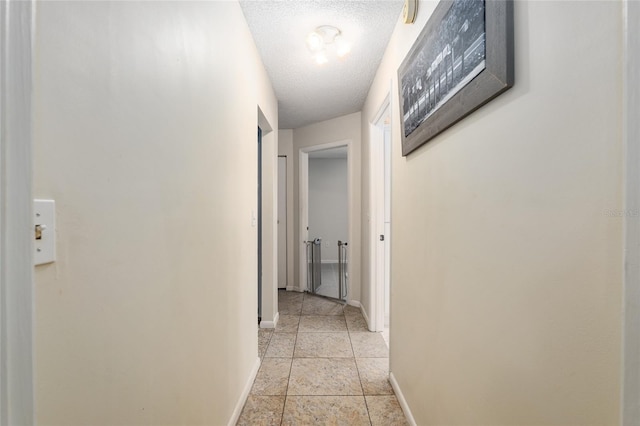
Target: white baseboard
{"type": "Point", "coordinates": [366, 317]}
{"type": "Point", "coordinates": [401, 400]}
{"type": "Point", "coordinates": [298, 289]}
{"type": "Point", "coordinates": [245, 394]}
{"type": "Point", "coordinates": [270, 324]}
{"type": "Point", "coordinates": [354, 303]}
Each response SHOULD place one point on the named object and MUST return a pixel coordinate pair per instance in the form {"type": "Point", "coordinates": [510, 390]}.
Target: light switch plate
{"type": "Point", "coordinates": [44, 220]}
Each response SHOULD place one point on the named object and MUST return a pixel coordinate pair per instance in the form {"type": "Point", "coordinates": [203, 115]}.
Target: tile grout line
{"type": "Point", "coordinates": [366, 406]}
{"type": "Point", "coordinates": [286, 391]}
{"type": "Point", "coordinates": [295, 341]}
{"type": "Point", "coordinates": [293, 357]}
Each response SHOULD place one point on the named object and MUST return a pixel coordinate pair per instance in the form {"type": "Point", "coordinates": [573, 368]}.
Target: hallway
{"type": "Point", "coordinates": [514, 257]}
{"type": "Point", "coordinates": [321, 366]}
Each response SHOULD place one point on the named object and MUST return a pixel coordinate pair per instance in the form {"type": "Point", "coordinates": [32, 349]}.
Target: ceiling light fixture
{"type": "Point", "coordinates": [324, 38]}
{"type": "Point", "coordinates": [321, 58]}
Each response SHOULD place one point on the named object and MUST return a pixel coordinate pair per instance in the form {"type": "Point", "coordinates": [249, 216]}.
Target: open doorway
{"type": "Point", "coordinates": [380, 227]}
{"type": "Point", "coordinates": [325, 190]}
{"type": "Point", "coordinates": [328, 219]}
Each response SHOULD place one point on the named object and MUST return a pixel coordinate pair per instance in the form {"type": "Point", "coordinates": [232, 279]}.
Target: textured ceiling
{"type": "Point", "coordinates": [307, 92]}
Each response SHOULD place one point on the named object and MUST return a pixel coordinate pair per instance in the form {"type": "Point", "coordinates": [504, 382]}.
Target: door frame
{"type": "Point", "coordinates": [259, 253]}
{"type": "Point", "coordinates": [376, 209]}
{"type": "Point", "coordinates": [16, 207]}
{"type": "Point", "coordinates": [303, 203]}
{"type": "Point", "coordinates": [630, 405]}
{"type": "Point", "coordinates": [269, 209]}
{"type": "Point", "coordinates": [286, 224]}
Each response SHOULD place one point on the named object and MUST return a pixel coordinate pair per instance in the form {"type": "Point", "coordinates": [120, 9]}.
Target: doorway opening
{"type": "Point", "coordinates": [380, 225]}
{"type": "Point", "coordinates": [325, 194]}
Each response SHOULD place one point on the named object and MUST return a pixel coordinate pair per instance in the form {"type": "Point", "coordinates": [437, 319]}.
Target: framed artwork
{"type": "Point", "coordinates": [462, 59]}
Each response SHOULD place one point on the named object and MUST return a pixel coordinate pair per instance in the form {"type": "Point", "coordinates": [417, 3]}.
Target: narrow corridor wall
{"type": "Point", "coordinates": [339, 129]}
{"type": "Point", "coordinates": [506, 249]}
{"type": "Point", "coordinates": [145, 120]}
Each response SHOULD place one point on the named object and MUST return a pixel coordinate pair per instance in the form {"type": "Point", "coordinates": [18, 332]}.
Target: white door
{"type": "Point", "coordinates": [380, 225]}
{"type": "Point", "coordinates": [387, 221]}
{"type": "Point", "coordinates": [282, 222]}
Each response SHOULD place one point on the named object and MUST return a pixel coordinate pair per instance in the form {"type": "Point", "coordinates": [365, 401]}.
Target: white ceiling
{"type": "Point", "coordinates": [306, 92]}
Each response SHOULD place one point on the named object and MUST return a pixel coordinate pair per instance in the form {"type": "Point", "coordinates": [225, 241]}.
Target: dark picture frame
{"type": "Point", "coordinates": [437, 84]}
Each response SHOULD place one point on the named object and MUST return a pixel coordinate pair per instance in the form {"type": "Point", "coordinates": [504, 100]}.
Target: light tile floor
{"type": "Point", "coordinates": [321, 366]}
{"type": "Point", "coordinates": [329, 279]}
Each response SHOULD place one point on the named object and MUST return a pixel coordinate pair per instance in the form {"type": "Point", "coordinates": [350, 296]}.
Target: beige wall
{"type": "Point", "coordinates": [506, 268]}
{"type": "Point", "coordinates": [145, 135]}
{"type": "Point", "coordinates": [339, 129]}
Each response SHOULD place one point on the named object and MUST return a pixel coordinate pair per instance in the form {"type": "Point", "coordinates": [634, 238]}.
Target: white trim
{"type": "Point", "coordinates": [354, 303]}
{"type": "Point", "coordinates": [366, 318]}
{"type": "Point", "coordinates": [271, 324]}
{"type": "Point", "coordinates": [16, 206]}
{"type": "Point", "coordinates": [329, 145]}
{"type": "Point", "coordinates": [245, 394]}
{"type": "Point", "coordinates": [374, 142]}
{"type": "Point", "coordinates": [303, 201]}
{"type": "Point", "coordinates": [630, 401]}
{"type": "Point", "coordinates": [269, 209]}
{"type": "Point", "coordinates": [403, 402]}
{"type": "Point", "coordinates": [376, 153]}
{"type": "Point", "coordinates": [303, 214]}
{"type": "Point", "coordinates": [286, 221]}
{"type": "Point", "coordinates": [3, 202]}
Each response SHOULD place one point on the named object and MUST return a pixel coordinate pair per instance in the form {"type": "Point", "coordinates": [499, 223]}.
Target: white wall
{"type": "Point", "coordinates": [328, 204]}
{"type": "Point", "coordinates": [506, 268]}
{"type": "Point", "coordinates": [145, 117]}
{"type": "Point", "coordinates": [347, 127]}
